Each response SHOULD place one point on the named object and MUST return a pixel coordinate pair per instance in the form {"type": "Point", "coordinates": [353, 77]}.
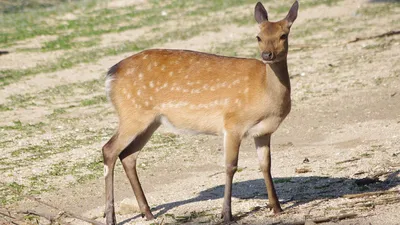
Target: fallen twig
{"type": "Point", "coordinates": [325, 219]}
{"type": "Point", "coordinates": [335, 218]}
{"type": "Point", "coordinates": [350, 196]}
{"type": "Point", "coordinates": [386, 34]}
{"type": "Point", "coordinates": [70, 214]}
{"type": "Point", "coordinates": [43, 215]}
{"type": "Point", "coordinates": [12, 219]}
{"type": "Point", "coordinates": [349, 160]}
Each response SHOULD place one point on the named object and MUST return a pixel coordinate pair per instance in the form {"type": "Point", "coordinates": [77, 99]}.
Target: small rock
{"type": "Point", "coordinates": [128, 206]}
{"type": "Point", "coordinates": [306, 160]}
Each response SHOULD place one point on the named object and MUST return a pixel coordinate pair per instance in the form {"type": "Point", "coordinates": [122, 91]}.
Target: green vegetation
{"type": "Point", "coordinates": [10, 192]}
{"type": "Point", "coordinates": [95, 100]}
{"type": "Point", "coordinates": [28, 128]}
{"type": "Point", "coordinates": [206, 217]}
{"type": "Point", "coordinates": [282, 180]}
{"type": "Point", "coordinates": [94, 22]}
{"type": "Point", "coordinates": [380, 9]}
{"type": "Point", "coordinates": [54, 94]}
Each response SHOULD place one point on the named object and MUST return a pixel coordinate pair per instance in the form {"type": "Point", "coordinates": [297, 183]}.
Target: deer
{"type": "Point", "coordinates": [203, 93]}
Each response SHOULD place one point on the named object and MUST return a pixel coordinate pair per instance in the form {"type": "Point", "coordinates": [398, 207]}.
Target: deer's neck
{"type": "Point", "coordinates": [278, 81]}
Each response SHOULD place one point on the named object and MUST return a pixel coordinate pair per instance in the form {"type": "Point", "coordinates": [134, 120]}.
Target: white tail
{"type": "Point", "coordinates": [204, 93]}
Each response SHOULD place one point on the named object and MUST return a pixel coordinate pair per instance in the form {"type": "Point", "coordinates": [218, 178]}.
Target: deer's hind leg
{"type": "Point", "coordinates": [128, 158]}
{"type": "Point", "coordinates": [129, 131]}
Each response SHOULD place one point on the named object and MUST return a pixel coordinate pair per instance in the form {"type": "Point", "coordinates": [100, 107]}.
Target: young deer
{"type": "Point", "coordinates": [205, 93]}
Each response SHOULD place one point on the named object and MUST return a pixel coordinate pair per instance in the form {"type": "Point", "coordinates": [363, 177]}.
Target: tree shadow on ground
{"type": "Point", "coordinates": [296, 190]}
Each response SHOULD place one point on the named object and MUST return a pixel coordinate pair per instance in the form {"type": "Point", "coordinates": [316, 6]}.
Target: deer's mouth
{"type": "Point", "coordinates": [269, 61]}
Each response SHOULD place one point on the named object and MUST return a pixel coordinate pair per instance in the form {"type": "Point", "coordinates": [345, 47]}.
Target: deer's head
{"type": "Point", "coordinates": [273, 36]}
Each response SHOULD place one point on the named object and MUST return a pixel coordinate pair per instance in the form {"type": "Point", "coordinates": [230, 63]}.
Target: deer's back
{"type": "Point", "coordinates": [192, 90]}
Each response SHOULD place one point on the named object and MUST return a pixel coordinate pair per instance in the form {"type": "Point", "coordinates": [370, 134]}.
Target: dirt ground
{"type": "Point", "coordinates": [344, 126]}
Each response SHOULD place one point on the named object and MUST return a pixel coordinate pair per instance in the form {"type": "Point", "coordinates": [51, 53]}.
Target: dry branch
{"type": "Point", "coordinates": [326, 219]}
{"type": "Point", "coordinates": [335, 218]}
{"type": "Point", "coordinates": [348, 160]}
{"type": "Point", "coordinates": [43, 215]}
{"type": "Point", "coordinates": [368, 203]}
{"type": "Point", "coordinates": [386, 34]}
{"type": "Point", "coordinates": [350, 196]}
{"type": "Point", "coordinates": [69, 214]}
{"type": "Point", "coordinates": [12, 219]}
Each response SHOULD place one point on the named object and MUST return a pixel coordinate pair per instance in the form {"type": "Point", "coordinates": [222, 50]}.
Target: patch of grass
{"type": "Point", "coordinates": [235, 48]}
{"type": "Point", "coordinates": [312, 3]}
{"type": "Point", "coordinates": [57, 112]}
{"type": "Point", "coordinates": [27, 128]}
{"type": "Point", "coordinates": [17, 6]}
{"type": "Point", "coordinates": [82, 171]}
{"type": "Point", "coordinates": [189, 218]}
{"type": "Point", "coordinates": [49, 95]}
{"type": "Point", "coordinates": [161, 141]}
{"type": "Point", "coordinates": [58, 169]}
{"type": "Point", "coordinates": [10, 76]}
{"type": "Point", "coordinates": [10, 192]}
{"type": "Point", "coordinates": [22, 101]}
{"type": "Point", "coordinates": [314, 26]}
{"type": "Point", "coordinates": [94, 101]}
{"type": "Point", "coordinates": [4, 108]}
{"type": "Point", "coordinates": [240, 169]}
{"type": "Point", "coordinates": [378, 81]}
{"type": "Point", "coordinates": [72, 59]}
{"type": "Point", "coordinates": [282, 180]}
{"type": "Point", "coordinates": [26, 19]}
{"type": "Point", "coordinates": [64, 144]}
{"type": "Point", "coordinates": [379, 9]}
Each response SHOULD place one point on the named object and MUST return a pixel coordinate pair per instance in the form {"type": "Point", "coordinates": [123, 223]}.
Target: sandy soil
{"type": "Point", "coordinates": [344, 126]}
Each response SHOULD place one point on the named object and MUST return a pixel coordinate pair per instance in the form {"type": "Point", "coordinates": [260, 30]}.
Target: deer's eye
{"type": "Point", "coordinates": [258, 39]}
{"type": "Point", "coordinates": [283, 36]}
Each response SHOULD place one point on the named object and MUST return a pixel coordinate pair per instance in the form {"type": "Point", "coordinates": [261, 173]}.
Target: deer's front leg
{"type": "Point", "coordinates": [264, 157]}
{"type": "Point", "coordinates": [231, 151]}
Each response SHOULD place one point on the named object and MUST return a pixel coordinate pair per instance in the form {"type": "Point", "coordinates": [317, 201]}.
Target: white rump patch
{"type": "Point", "coordinates": [108, 85]}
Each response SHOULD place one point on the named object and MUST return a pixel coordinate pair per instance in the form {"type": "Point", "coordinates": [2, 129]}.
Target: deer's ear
{"type": "Point", "coordinates": [292, 15]}
{"type": "Point", "coordinates": [260, 14]}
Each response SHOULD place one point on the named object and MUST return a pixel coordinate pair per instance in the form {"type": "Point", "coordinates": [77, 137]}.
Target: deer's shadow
{"type": "Point", "coordinates": [295, 190]}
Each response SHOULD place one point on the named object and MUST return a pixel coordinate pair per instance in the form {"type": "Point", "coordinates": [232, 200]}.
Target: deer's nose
{"type": "Point", "coordinates": [268, 56]}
